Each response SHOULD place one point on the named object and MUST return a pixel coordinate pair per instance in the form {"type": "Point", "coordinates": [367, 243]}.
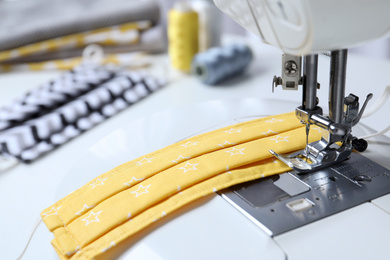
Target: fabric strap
{"type": "Point", "coordinates": [126, 199]}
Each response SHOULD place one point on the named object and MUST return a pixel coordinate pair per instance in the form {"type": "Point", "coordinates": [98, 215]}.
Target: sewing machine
{"type": "Point", "coordinates": [328, 176]}
{"type": "Point", "coordinates": [211, 228]}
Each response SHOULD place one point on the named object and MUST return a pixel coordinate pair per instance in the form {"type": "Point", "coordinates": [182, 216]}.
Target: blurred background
{"type": "Point", "coordinates": [34, 31]}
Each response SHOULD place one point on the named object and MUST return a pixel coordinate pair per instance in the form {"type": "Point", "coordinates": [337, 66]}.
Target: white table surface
{"type": "Point", "coordinates": [26, 190]}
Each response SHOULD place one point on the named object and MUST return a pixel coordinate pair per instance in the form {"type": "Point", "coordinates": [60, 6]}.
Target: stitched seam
{"type": "Point", "coordinates": [129, 164]}
{"type": "Point", "coordinates": [126, 188]}
{"type": "Point", "coordinates": [125, 165]}
{"type": "Point", "coordinates": [89, 256]}
{"type": "Point", "coordinates": [69, 233]}
{"type": "Point", "coordinates": [191, 197]}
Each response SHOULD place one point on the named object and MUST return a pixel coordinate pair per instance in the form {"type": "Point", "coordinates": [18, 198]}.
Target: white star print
{"type": "Point", "coordinates": [97, 182]}
{"type": "Point", "coordinates": [279, 139]}
{"type": "Point", "coordinates": [189, 167]}
{"type": "Point", "coordinates": [73, 252]}
{"type": "Point", "coordinates": [52, 211]}
{"type": "Point", "coordinates": [235, 151]}
{"type": "Point", "coordinates": [133, 179]}
{"type": "Point", "coordinates": [144, 160]}
{"type": "Point", "coordinates": [269, 132]}
{"type": "Point", "coordinates": [83, 209]}
{"type": "Point", "coordinates": [273, 120]}
{"type": "Point", "coordinates": [180, 158]}
{"type": "Point", "coordinates": [128, 215]}
{"type": "Point", "coordinates": [227, 170]}
{"type": "Point", "coordinates": [225, 143]}
{"type": "Point", "coordinates": [163, 214]}
{"type": "Point", "coordinates": [112, 244]}
{"type": "Point", "coordinates": [214, 190]}
{"type": "Point", "coordinates": [93, 217]}
{"type": "Point", "coordinates": [233, 130]}
{"type": "Point", "coordinates": [319, 129]}
{"type": "Point", "coordinates": [189, 143]}
{"type": "Point", "coordinates": [141, 190]}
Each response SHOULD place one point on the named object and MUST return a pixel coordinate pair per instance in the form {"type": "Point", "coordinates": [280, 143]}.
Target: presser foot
{"type": "Point", "coordinates": [303, 163]}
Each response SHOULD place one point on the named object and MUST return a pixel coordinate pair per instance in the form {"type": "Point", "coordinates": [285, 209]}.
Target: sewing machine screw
{"type": "Point", "coordinates": [290, 68]}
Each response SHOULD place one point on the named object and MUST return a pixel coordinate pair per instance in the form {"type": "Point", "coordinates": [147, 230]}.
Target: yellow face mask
{"type": "Point", "coordinates": [126, 199]}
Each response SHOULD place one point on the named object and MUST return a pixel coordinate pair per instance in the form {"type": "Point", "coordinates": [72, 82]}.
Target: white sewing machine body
{"type": "Point", "coordinates": [300, 27]}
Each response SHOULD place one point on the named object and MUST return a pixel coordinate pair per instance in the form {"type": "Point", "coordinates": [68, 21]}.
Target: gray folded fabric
{"type": "Point", "coordinates": [25, 22]}
{"type": "Point", "coordinates": [150, 41]}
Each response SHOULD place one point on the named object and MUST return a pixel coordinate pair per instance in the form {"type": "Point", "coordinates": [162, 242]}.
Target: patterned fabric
{"type": "Point", "coordinates": [45, 34]}
{"type": "Point", "coordinates": [35, 21]}
{"type": "Point", "coordinates": [58, 111]}
{"type": "Point", "coordinates": [128, 198]}
{"type": "Point", "coordinates": [53, 94]}
{"type": "Point", "coordinates": [64, 53]}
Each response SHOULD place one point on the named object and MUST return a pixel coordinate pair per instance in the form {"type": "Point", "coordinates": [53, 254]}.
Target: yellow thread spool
{"type": "Point", "coordinates": [182, 36]}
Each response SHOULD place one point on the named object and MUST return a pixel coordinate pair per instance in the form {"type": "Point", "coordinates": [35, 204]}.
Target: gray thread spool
{"type": "Point", "coordinates": [220, 63]}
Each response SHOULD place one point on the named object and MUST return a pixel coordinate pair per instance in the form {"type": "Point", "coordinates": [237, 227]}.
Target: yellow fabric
{"type": "Point", "coordinates": [183, 38]}
{"type": "Point", "coordinates": [121, 35]}
{"type": "Point", "coordinates": [61, 64]}
{"type": "Point", "coordinates": [126, 199]}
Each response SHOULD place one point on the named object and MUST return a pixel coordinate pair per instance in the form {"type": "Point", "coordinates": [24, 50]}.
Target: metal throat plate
{"type": "Point", "coordinates": [283, 202]}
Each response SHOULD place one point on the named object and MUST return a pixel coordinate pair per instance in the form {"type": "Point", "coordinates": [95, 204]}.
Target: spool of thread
{"type": "Point", "coordinates": [209, 17]}
{"type": "Point", "coordinates": [218, 64]}
{"type": "Point", "coordinates": [182, 35]}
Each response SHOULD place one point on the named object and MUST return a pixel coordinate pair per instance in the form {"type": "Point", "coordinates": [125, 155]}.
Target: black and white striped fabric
{"type": "Point", "coordinates": [39, 125]}
{"type": "Point", "coordinates": [47, 97]}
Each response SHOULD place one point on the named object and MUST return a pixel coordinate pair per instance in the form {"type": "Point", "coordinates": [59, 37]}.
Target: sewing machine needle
{"type": "Point", "coordinates": [307, 140]}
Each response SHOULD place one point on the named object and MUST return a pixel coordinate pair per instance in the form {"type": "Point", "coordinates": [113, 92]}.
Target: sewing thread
{"type": "Point", "coordinates": [218, 64]}
{"type": "Point", "coordinates": [209, 17]}
{"type": "Point", "coordinates": [182, 36]}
